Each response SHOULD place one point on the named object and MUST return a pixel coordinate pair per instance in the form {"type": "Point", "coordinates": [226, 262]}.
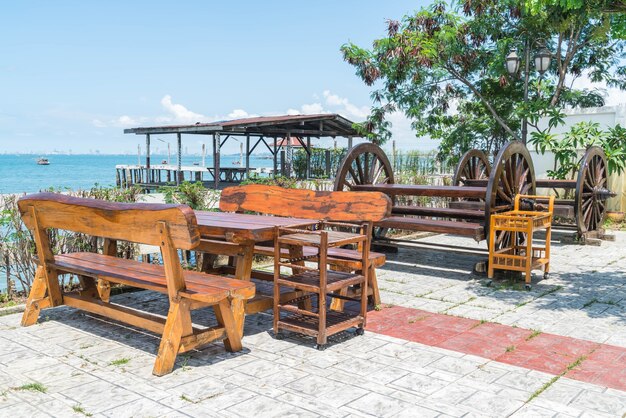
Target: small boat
{"type": "Point", "coordinates": [164, 162]}
{"type": "Point", "coordinates": [43, 161]}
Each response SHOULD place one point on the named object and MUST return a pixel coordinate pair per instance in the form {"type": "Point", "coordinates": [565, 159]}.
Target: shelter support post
{"type": "Point", "coordinates": [308, 157]}
{"type": "Point", "coordinates": [179, 172]}
{"type": "Point", "coordinates": [247, 156]}
{"type": "Point", "coordinates": [148, 176]}
{"type": "Point", "coordinates": [216, 158]}
{"type": "Point", "coordinates": [275, 157]}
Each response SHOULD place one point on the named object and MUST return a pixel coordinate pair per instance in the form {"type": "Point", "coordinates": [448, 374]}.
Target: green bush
{"type": "Point", "coordinates": [17, 247]}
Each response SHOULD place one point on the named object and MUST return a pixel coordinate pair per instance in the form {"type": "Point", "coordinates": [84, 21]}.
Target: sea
{"type": "Point", "coordinates": [20, 173]}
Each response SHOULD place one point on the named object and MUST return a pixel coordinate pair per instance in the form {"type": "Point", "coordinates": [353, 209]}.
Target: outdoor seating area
{"type": "Point", "coordinates": [442, 343]}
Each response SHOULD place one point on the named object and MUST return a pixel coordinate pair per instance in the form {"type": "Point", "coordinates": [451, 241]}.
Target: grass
{"type": "Point", "coordinates": [509, 349]}
{"type": "Point", "coordinates": [590, 302]}
{"type": "Point", "coordinates": [80, 410]}
{"type": "Point", "coordinates": [535, 333]}
{"type": "Point", "coordinates": [482, 321]}
{"type": "Point", "coordinates": [186, 399]}
{"type": "Point", "coordinates": [545, 293]}
{"type": "Point", "coordinates": [417, 318]}
{"type": "Point", "coordinates": [33, 387]}
{"type": "Point", "coordinates": [549, 383]}
{"type": "Point", "coordinates": [185, 364]}
{"type": "Point", "coordinates": [119, 362]}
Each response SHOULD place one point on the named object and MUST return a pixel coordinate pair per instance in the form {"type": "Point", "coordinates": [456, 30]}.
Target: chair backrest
{"type": "Point", "coordinates": [308, 204]}
{"type": "Point", "coordinates": [135, 222]}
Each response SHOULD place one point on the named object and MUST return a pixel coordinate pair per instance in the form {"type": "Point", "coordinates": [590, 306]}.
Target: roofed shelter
{"type": "Point", "coordinates": [256, 131]}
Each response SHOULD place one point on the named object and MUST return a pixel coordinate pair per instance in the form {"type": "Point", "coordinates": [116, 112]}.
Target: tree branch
{"type": "Point", "coordinates": [474, 90]}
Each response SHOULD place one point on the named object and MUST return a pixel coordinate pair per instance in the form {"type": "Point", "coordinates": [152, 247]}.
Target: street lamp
{"type": "Point", "coordinates": [542, 59]}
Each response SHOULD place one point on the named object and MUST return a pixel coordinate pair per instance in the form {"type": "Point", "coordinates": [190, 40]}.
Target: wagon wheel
{"type": "Point", "coordinates": [591, 191]}
{"type": "Point", "coordinates": [364, 164]}
{"type": "Point", "coordinates": [512, 174]}
{"type": "Point", "coordinates": [474, 165]}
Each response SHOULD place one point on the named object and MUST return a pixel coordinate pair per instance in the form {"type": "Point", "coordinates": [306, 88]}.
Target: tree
{"type": "Point", "coordinates": [443, 67]}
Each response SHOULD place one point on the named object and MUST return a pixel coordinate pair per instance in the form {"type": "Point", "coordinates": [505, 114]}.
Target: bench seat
{"type": "Point", "coordinates": [468, 229]}
{"type": "Point", "coordinates": [201, 287]}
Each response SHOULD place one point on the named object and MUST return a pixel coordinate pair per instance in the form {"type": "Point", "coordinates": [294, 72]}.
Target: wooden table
{"type": "Point", "coordinates": [235, 235]}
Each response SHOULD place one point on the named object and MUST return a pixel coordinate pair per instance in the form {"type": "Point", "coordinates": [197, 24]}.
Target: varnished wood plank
{"type": "Point", "coordinates": [199, 339]}
{"type": "Point", "coordinates": [33, 304]}
{"type": "Point", "coordinates": [424, 190]}
{"type": "Point", "coordinates": [124, 221]}
{"type": "Point", "coordinates": [120, 313]}
{"type": "Point", "coordinates": [304, 203]}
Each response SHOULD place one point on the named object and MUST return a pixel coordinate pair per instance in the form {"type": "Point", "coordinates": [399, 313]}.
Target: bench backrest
{"type": "Point", "coordinates": [135, 222]}
{"type": "Point", "coordinates": [308, 204]}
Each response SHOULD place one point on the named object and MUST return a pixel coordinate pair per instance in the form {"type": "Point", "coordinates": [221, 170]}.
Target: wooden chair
{"type": "Point", "coordinates": [171, 227]}
{"type": "Point", "coordinates": [351, 207]}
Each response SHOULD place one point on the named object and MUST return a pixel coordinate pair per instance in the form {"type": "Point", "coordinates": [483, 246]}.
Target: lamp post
{"type": "Point", "coordinates": [542, 62]}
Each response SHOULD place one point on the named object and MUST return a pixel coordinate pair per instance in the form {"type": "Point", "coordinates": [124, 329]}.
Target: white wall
{"type": "Point", "coordinates": [607, 117]}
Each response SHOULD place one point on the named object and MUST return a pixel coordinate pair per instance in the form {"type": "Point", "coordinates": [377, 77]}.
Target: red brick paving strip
{"type": "Point", "coordinates": [605, 365]}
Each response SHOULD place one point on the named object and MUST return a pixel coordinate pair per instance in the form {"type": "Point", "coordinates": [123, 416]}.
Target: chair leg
{"type": "Point", "coordinates": [177, 325]}
{"type": "Point", "coordinates": [37, 293]}
{"type": "Point", "coordinates": [225, 318]}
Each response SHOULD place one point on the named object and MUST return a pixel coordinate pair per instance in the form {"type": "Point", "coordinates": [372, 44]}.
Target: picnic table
{"type": "Point", "coordinates": [235, 235]}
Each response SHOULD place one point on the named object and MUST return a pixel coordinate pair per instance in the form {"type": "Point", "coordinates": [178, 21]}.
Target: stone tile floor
{"type": "Point", "coordinates": [75, 364]}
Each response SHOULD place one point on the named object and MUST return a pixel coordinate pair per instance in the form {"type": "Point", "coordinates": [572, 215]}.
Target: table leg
{"type": "Point", "coordinates": [243, 271]}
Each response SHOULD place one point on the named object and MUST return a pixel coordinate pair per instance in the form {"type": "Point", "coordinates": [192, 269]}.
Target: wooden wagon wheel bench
{"type": "Point", "coordinates": [587, 207]}
{"type": "Point", "coordinates": [367, 168]}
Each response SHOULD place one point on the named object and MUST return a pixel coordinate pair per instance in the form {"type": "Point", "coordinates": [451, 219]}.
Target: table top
{"type": "Point", "coordinates": [239, 227]}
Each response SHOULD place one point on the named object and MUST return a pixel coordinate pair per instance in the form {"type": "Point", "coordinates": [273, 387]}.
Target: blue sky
{"type": "Point", "coordinates": [74, 74]}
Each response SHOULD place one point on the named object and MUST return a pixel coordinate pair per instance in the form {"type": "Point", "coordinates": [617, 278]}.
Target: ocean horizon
{"type": "Point", "coordinates": [20, 173]}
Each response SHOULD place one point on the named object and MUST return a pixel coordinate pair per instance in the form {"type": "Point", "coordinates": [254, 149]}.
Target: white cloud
{"type": "Point", "coordinates": [346, 108]}
{"type": "Point", "coordinates": [179, 113]}
{"type": "Point", "coordinates": [238, 114]}
{"type": "Point", "coordinates": [98, 123]}
{"type": "Point", "coordinates": [313, 108]}
{"type": "Point", "coordinates": [293, 112]}
{"type": "Point", "coordinates": [404, 135]}
{"type": "Point", "coordinates": [126, 121]}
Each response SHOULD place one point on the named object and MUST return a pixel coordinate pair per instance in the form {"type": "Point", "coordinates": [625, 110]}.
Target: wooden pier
{"type": "Point", "coordinates": [158, 175]}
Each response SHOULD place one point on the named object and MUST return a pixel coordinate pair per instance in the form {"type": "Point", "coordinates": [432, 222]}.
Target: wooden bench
{"type": "Point", "coordinates": [171, 227]}
{"type": "Point", "coordinates": [368, 207]}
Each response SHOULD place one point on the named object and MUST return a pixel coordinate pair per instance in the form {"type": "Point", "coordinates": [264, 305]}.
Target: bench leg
{"type": "Point", "coordinates": [373, 284]}
{"type": "Point", "coordinates": [177, 325]}
{"type": "Point", "coordinates": [33, 304]}
{"type": "Point", "coordinates": [104, 290]}
{"type": "Point", "coordinates": [226, 319]}
{"type": "Point", "coordinates": [337, 304]}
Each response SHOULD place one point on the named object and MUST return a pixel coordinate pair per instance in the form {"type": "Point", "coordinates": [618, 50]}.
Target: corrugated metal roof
{"type": "Point", "coordinates": [326, 124]}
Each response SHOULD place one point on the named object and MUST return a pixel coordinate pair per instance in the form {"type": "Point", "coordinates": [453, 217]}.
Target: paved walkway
{"type": "Point", "coordinates": [75, 364]}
